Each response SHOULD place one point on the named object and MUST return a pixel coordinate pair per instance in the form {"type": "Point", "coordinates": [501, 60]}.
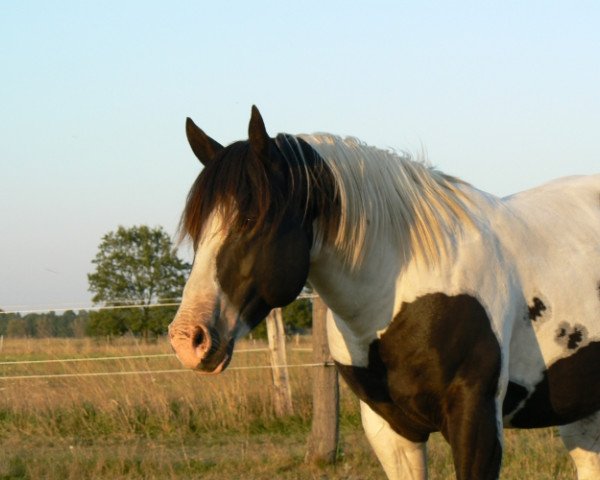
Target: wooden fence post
{"type": "Point", "coordinates": [281, 382]}
{"type": "Point", "coordinates": [323, 440]}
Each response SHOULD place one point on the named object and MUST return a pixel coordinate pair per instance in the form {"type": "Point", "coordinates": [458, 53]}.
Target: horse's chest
{"type": "Point", "coordinates": [434, 345]}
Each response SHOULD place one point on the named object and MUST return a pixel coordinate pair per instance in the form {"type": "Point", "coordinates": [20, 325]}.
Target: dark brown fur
{"type": "Point", "coordinates": [255, 197]}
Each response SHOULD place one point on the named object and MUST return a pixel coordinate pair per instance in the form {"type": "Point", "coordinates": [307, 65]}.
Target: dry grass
{"type": "Point", "coordinates": [181, 425]}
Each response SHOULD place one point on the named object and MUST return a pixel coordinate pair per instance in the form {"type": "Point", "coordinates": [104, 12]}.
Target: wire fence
{"type": "Point", "coordinates": [130, 357]}
{"type": "Point", "coordinates": [133, 357]}
{"type": "Point", "coordinates": [172, 302]}
{"type": "Point", "coordinates": [91, 308]}
{"type": "Point", "coordinates": [139, 372]}
{"type": "Point", "coordinates": [150, 372]}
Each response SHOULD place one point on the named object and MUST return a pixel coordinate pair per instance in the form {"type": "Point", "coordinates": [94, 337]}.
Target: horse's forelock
{"type": "Point", "coordinates": [239, 186]}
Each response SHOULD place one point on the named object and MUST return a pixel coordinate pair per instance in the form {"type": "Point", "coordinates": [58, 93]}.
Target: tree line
{"type": "Point", "coordinates": [85, 323]}
{"type": "Point", "coordinates": [115, 323]}
{"type": "Point", "coordinates": [43, 325]}
{"type": "Point", "coordinates": [133, 266]}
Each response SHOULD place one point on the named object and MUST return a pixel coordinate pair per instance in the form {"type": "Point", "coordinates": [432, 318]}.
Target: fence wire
{"type": "Point", "coordinates": [96, 308]}
{"type": "Point", "coordinates": [150, 372]}
{"type": "Point", "coordinates": [129, 357]}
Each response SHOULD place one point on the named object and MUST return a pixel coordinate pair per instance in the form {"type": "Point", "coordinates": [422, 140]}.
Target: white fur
{"type": "Point", "coordinates": [400, 458]}
{"type": "Point", "coordinates": [582, 439]}
{"type": "Point", "coordinates": [200, 295]}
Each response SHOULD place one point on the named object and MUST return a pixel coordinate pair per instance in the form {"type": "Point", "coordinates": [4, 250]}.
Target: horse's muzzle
{"type": "Point", "coordinates": [201, 348]}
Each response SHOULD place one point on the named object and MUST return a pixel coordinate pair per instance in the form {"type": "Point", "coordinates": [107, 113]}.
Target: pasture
{"type": "Point", "coordinates": [180, 425]}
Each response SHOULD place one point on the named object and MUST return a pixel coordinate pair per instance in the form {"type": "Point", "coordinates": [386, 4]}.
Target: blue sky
{"type": "Point", "coordinates": [94, 96]}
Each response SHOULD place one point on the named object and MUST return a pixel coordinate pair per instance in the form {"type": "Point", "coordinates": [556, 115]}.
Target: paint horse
{"type": "Point", "coordinates": [451, 310]}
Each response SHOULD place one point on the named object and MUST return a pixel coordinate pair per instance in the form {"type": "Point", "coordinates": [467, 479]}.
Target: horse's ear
{"type": "Point", "coordinates": [204, 147]}
{"type": "Point", "coordinates": [257, 133]}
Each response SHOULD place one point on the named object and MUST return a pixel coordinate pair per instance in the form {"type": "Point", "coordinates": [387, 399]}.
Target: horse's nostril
{"type": "Point", "coordinates": [198, 338]}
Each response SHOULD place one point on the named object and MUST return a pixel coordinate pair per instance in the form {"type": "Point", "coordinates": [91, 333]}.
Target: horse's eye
{"type": "Point", "coordinates": [248, 221]}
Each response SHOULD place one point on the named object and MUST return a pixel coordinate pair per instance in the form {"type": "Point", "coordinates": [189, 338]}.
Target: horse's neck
{"type": "Point", "coordinates": [362, 292]}
{"type": "Point", "coordinates": [365, 297]}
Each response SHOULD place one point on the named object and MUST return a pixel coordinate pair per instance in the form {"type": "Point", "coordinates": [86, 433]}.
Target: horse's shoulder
{"type": "Point", "coordinates": [437, 346]}
{"type": "Point", "coordinates": [446, 335]}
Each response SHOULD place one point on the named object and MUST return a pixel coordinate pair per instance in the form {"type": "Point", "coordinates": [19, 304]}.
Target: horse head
{"type": "Point", "coordinates": [250, 217]}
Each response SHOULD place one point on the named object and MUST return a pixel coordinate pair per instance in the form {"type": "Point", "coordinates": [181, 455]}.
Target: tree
{"type": "Point", "coordinates": [298, 316]}
{"type": "Point", "coordinates": [4, 318]}
{"type": "Point", "coordinates": [80, 324]}
{"type": "Point", "coordinates": [45, 325]}
{"type": "Point", "coordinates": [63, 325]}
{"type": "Point", "coordinates": [16, 328]}
{"type": "Point", "coordinates": [134, 266]}
{"type": "Point", "coordinates": [110, 322]}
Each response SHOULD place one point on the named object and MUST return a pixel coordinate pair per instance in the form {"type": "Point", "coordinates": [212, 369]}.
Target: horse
{"type": "Point", "coordinates": [450, 309]}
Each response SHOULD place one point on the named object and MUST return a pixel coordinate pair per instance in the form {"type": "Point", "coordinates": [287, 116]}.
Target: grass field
{"type": "Point", "coordinates": [180, 425]}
